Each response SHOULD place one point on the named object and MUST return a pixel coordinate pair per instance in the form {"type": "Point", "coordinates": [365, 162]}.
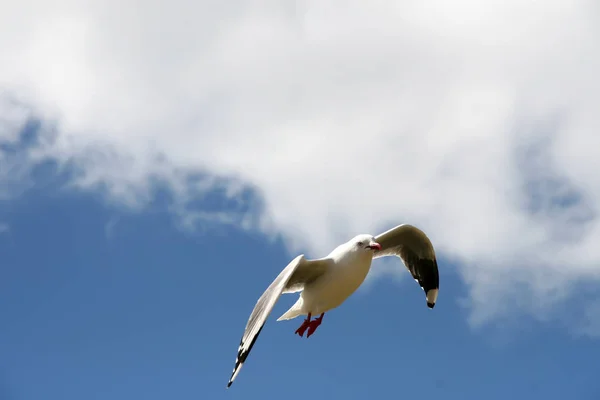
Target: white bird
{"type": "Point", "coordinates": [325, 283]}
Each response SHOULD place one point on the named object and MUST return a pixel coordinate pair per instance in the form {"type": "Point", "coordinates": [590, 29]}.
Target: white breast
{"type": "Point", "coordinates": [333, 288]}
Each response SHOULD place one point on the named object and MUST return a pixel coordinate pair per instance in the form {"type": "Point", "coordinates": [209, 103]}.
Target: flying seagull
{"type": "Point", "coordinates": [325, 283]}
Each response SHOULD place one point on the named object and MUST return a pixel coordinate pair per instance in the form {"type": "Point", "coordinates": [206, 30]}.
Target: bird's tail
{"type": "Point", "coordinates": [293, 312]}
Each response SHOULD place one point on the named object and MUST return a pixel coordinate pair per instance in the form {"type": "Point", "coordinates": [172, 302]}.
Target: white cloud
{"type": "Point", "coordinates": [434, 107]}
{"type": "Point", "coordinates": [14, 164]}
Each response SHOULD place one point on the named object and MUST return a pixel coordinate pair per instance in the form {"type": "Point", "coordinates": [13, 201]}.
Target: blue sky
{"type": "Point", "coordinates": [147, 310]}
{"type": "Point", "coordinates": [159, 165]}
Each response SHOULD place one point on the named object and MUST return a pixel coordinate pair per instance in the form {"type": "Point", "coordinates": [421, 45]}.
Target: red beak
{"type": "Point", "coordinates": [374, 246]}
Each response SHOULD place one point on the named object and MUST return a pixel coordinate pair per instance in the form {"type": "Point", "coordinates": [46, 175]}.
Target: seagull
{"type": "Point", "coordinates": [325, 283]}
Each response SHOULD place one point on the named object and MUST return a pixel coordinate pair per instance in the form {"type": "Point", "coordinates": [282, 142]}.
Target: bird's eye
{"type": "Point", "coordinates": [360, 243]}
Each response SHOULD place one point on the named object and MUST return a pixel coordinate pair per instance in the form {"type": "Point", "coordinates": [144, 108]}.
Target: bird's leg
{"type": "Point", "coordinates": [300, 331]}
{"type": "Point", "coordinates": [313, 325]}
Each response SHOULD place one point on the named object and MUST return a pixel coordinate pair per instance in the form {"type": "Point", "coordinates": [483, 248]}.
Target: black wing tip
{"type": "Point", "coordinates": [233, 375]}
{"type": "Point", "coordinates": [237, 367]}
{"type": "Point", "coordinates": [431, 296]}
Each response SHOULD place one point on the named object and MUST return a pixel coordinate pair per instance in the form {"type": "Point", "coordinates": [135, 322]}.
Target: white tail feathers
{"type": "Point", "coordinates": [293, 312]}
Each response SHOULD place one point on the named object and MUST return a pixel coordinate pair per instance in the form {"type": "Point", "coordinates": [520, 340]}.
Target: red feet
{"type": "Point", "coordinates": [300, 331]}
{"type": "Point", "coordinates": [310, 325]}
{"type": "Point", "coordinates": [313, 325]}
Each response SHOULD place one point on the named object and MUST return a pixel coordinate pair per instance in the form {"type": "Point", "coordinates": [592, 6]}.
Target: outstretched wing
{"type": "Point", "coordinates": [417, 253]}
{"type": "Point", "coordinates": [293, 278]}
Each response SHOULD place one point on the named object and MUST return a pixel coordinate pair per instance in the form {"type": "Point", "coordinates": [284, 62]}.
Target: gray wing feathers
{"type": "Point", "coordinates": [307, 272]}
{"type": "Point", "coordinates": [418, 255]}
{"type": "Point", "coordinates": [293, 277]}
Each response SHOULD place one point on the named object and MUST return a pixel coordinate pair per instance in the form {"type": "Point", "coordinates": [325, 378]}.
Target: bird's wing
{"type": "Point", "coordinates": [292, 279]}
{"type": "Point", "coordinates": [416, 251]}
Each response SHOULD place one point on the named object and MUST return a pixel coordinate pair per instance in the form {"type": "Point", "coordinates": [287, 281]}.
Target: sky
{"type": "Point", "coordinates": [161, 162]}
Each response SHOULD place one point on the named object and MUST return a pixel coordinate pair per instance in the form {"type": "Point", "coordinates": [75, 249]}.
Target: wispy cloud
{"type": "Point", "coordinates": [340, 121]}
{"type": "Point", "coordinates": [109, 227]}
{"type": "Point", "coordinates": [590, 325]}
{"type": "Point", "coordinates": [4, 228]}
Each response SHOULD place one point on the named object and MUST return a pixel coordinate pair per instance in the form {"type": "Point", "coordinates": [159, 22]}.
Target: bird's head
{"type": "Point", "coordinates": [365, 243]}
